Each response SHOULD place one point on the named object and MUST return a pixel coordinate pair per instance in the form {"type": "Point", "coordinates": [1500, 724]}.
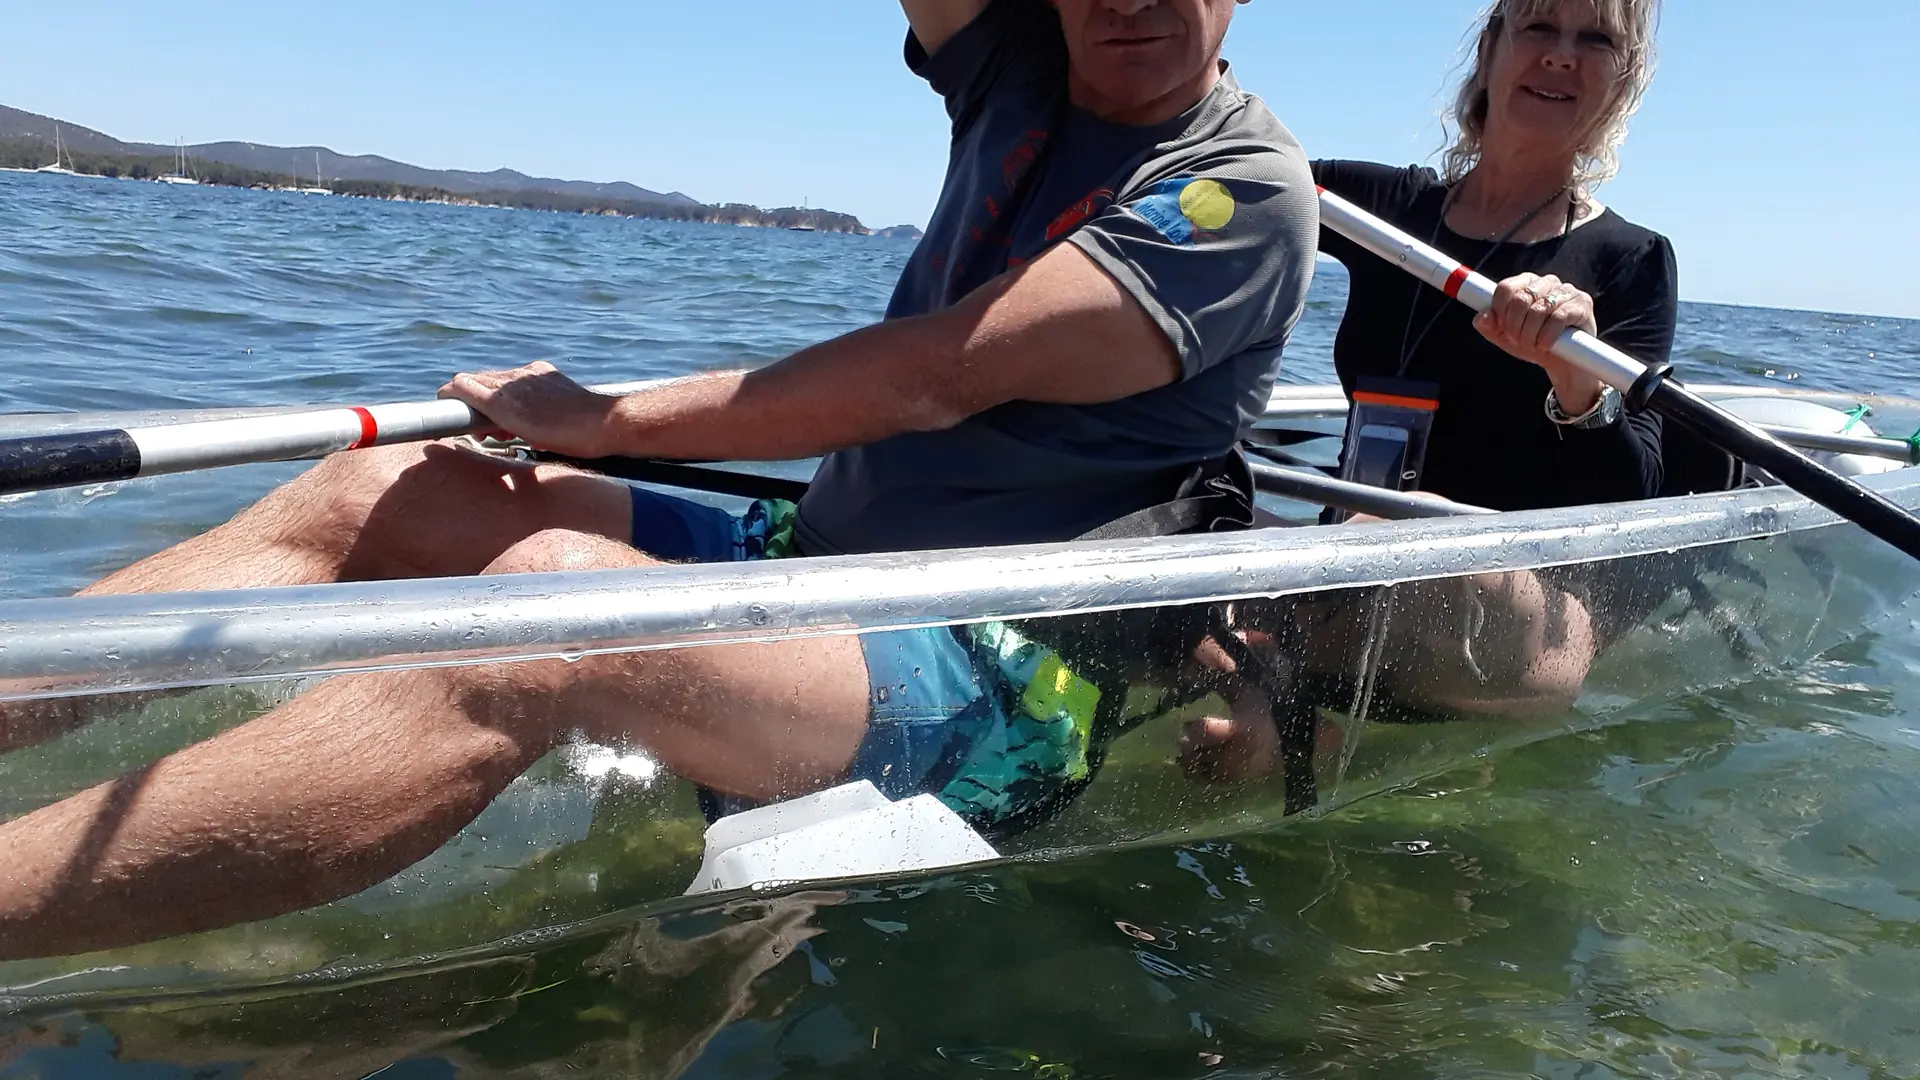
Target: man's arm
{"type": "Point", "coordinates": [934, 21]}
{"type": "Point", "coordinates": [1057, 330]}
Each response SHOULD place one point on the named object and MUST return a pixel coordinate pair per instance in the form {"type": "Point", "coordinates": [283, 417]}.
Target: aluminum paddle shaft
{"type": "Point", "coordinates": [1631, 377]}
{"type": "Point", "coordinates": [70, 459]}
{"type": "Point", "coordinates": [40, 462]}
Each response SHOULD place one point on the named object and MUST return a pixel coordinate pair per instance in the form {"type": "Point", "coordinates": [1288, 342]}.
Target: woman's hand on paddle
{"type": "Point", "coordinates": [1529, 313]}
{"type": "Point", "coordinates": [539, 404]}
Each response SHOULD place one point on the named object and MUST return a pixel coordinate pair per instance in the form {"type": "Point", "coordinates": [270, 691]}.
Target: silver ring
{"type": "Point", "coordinates": [1558, 297]}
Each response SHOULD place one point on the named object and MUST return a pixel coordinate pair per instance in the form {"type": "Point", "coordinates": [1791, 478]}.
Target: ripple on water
{"type": "Point", "coordinates": [428, 329]}
{"type": "Point", "coordinates": [197, 316]}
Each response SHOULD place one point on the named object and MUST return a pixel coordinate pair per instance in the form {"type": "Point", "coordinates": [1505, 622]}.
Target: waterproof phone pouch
{"type": "Point", "coordinates": [1387, 430]}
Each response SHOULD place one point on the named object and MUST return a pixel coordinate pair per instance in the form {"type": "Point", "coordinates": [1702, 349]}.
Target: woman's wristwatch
{"type": "Point", "coordinates": [1604, 413]}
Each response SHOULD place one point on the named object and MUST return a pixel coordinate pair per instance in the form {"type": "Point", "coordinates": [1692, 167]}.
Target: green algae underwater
{"type": "Point", "coordinates": [1674, 895]}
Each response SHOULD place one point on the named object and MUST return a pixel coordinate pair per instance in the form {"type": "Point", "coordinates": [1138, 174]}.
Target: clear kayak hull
{"type": "Point", "coordinates": [1741, 583]}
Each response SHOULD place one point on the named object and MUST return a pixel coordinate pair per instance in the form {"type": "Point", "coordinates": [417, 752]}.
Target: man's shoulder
{"type": "Point", "coordinates": [1240, 137]}
{"type": "Point", "coordinates": [1248, 116]}
{"type": "Point", "coordinates": [1255, 171]}
{"type": "Point", "coordinates": [1215, 233]}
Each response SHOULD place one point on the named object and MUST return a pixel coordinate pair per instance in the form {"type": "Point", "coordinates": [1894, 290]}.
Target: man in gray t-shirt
{"type": "Point", "coordinates": [1202, 217]}
{"type": "Point", "coordinates": [1122, 246]}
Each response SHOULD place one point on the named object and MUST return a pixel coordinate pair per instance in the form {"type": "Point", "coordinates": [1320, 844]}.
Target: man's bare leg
{"type": "Point", "coordinates": [422, 510]}
{"type": "Point", "coordinates": [366, 775]}
{"type": "Point", "coordinates": [403, 511]}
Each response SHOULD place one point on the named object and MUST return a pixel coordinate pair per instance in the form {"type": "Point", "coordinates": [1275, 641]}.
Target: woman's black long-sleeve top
{"type": "Point", "coordinates": [1492, 444]}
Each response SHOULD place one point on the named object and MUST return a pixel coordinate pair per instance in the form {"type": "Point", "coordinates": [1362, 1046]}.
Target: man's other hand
{"type": "Point", "coordinates": [539, 404]}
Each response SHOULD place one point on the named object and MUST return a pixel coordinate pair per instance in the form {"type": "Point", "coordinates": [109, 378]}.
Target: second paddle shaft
{"type": "Point", "coordinates": [1868, 509]}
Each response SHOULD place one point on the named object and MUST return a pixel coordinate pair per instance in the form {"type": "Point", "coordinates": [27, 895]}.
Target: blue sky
{"type": "Point", "coordinates": [1778, 148]}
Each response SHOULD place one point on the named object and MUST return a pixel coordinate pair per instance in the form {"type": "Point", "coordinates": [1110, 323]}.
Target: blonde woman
{"type": "Point", "coordinates": [1539, 119]}
{"type": "Point", "coordinates": [1475, 408]}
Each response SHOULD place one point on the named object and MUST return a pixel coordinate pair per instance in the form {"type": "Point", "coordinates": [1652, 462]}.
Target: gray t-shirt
{"type": "Point", "coordinates": [1209, 221]}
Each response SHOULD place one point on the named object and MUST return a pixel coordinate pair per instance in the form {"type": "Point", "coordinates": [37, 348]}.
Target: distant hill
{"type": "Point", "coordinates": [904, 232]}
{"type": "Point", "coordinates": [17, 123]}
{"type": "Point", "coordinates": [298, 161]}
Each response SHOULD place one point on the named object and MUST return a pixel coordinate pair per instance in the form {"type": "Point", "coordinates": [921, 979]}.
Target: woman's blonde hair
{"type": "Point", "coordinates": [1634, 24]}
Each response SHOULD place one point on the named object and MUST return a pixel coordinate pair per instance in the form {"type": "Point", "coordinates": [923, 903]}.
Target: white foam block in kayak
{"type": "Point", "coordinates": [848, 831]}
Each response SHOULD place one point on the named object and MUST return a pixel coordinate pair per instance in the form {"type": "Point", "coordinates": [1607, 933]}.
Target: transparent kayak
{"type": "Point", "coordinates": [1696, 592]}
{"type": "Point", "coordinates": [1768, 580]}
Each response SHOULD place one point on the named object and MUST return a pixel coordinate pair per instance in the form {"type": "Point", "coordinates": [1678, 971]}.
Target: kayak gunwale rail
{"type": "Point", "coordinates": [72, 646]}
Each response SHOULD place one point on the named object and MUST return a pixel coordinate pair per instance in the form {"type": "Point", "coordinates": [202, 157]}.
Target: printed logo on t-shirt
{"type": "Point", "coordinates": [1079, 214]}
{"type": "Point", "coordinates": [1182, 208]}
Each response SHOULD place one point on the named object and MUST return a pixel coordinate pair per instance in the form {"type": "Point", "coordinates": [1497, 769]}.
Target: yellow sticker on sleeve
{"type": "Point", "coordinates": [1208, 204]}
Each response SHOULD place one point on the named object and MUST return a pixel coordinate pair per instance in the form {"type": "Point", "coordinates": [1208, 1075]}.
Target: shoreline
{"type": "Point", "coordinates": [32, 155]}
{"type": "Point", "coordinates": [738, 217]}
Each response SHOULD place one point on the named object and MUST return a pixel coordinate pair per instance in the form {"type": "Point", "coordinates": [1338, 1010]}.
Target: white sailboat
{"type": "Point", "coordinates": [320, 184]}
{"type": "Point", "coordinates": [179, 175]}
{"type": "Point", "coordinates": [56, 168]}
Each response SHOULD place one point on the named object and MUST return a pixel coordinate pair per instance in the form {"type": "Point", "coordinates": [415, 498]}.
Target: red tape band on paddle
{"type": "Point", "coordinates": [1455, 281]}
{"type": "Point", "coordinates": [369, 430]}
{"type": "Point", "coordinates": [1367, 397]}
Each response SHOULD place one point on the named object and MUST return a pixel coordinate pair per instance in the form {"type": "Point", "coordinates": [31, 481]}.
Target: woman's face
{"type": "Point", "coordinates": [1551, 78]}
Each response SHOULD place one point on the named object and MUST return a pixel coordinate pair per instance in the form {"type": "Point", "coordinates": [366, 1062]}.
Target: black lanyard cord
{"type": "Point", "coordinates": [1409, 348]}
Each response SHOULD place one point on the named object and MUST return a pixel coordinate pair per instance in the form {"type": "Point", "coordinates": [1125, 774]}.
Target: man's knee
{"type": "Point", "coordinates": [525, 697]}
{"type": "Point", "coordinates": [328, 506]}
{"type": "Point", "coordinates": [554, 550]}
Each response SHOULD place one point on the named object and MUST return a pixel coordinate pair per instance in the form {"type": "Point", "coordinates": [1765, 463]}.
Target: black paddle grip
{"type": "Point", "coordinates": [683, 475]}
{"type": "Point", "coordinates": [43, 462]}
{"type": "Point", "coordinates": [1870, 510]}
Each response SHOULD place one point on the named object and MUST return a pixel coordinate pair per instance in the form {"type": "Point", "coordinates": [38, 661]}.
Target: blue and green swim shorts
{"type": "Point", "coordinates": [991, 723]}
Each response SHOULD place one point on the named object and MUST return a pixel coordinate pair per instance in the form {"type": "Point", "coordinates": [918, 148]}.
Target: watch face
{"type": "Point", "coordinates": [1608, 410]}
